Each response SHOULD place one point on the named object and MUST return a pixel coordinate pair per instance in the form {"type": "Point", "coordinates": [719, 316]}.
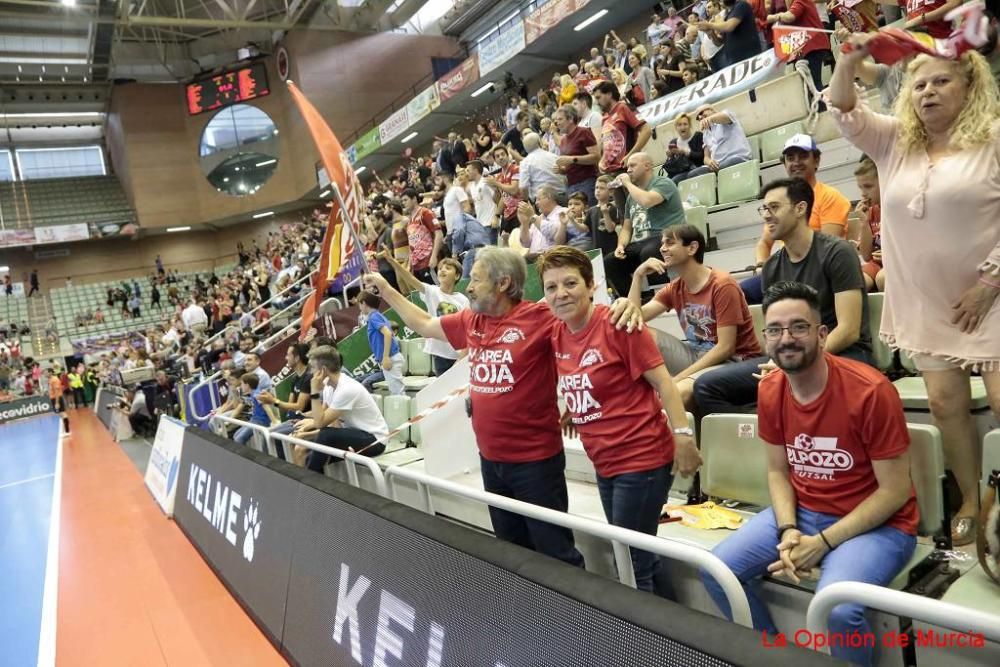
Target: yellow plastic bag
{"type": "Point", "coordinates": [707, 516]}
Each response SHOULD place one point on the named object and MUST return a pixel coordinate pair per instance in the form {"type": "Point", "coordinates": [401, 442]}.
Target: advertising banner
{"type": "Point", "coordinates": [729, 81]}
{"type": "Point", "coordinates": [501, 48]}
{"type": "Point", "coordinates": [62, 233]}
{"type": "Point", "coordinates": [368, 143]}
{"type": "Point", "coordinates": [393, 126]}
{"type": "Point", "coordinates": [424, 103]}
{"type": "Point", "coordinates": [540, 20]}
{"type": "Point", "coordinates": [21, 408]}
{"type": "Point", "coordinates": [165, 463]}
{"type": "Point", "coordinates": [458, 79]}
{"type": "Point", "coordinates": [17, 237]}
{"type": "Point", "coordinates": [240, 516]}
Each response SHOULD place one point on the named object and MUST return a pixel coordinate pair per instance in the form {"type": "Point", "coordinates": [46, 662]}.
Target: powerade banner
{"type": "Point", "coordinates": [376, 583]}
{"type": "Point", "coordinates": [165, 462]}
{"type": "Point", "coordinates": [727, 82]}
{"type": "Point", "coordinates": [21, 408]}
{"type": "Point", "coordinates": [367, 143]}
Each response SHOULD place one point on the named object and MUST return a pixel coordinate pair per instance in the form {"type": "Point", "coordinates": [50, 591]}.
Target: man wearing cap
{"type": "Point", "coordinates": [726, 143]}
{"type": "Point", "coordinates": [829, 213]}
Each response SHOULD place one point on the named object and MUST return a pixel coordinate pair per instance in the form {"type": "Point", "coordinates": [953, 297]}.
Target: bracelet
{"type": "Point", "coordinates": [988, 283]}
{"type": "Point", "coordinates": [825, 541]}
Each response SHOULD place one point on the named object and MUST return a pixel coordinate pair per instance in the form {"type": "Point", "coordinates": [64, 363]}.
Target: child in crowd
{"type": "Point", "coordinates": [869, 211]}
{"type": "Point", "coordinates": [261, 414]}
{"type": "Point", "coordinates": [384, 345]}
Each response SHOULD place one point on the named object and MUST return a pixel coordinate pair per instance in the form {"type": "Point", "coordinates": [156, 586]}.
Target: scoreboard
{"type": "Point", "coordinates": [238, 85]}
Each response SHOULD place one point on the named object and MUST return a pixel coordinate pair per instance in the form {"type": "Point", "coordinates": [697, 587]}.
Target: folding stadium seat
{"type": "Point", "coordinates": [415, 436]}
{"type": "Point", "coordinates": [418, 362]}
{"type": "Point", "coordinates": [379, 402]}
{"type": "Point", "coordinates": [881, 353]}
{"type": "Point", "coordinates": [757, 313]}
{"type": "Point", "coordinates": [735, 459]}
{"type": "Point", "coordinates": [991, 454]}
{"type": "Point", "coordinates": [397, 411]}
{"type": "Point", "coordinates": [702, 188]}
{"type": "Point", "coordinates": [773, 141]}
{"type": "Point", "coordinates": [914, 394]}
{"type": "Point", "coordinates": [739, 183]}
{"type": "Point", "coordinates": [698, 216]}
{"type": "Point", "coordinates": [754, 147]}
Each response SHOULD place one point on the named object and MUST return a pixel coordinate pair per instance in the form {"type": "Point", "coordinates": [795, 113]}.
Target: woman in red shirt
{"type": "Point", "coordinates": [616, 390]}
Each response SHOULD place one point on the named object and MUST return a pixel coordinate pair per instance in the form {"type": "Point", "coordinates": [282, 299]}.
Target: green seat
{"type": "Point", "coordinates": [991, 454]}
{"type": "Point", "coordinates": [734, 459]}
{"type": "Point", "coordinates": [397, 411]}
{"type": "Point", "coordinates": [881, 353]}
{"type": "Point", "coordinates": [702, 188]}
{"type": "Point", "coordinates": [913, 393]}
{"type": "Point", "coordinates": [415, 436]}
{"type": "Point", "coordinates": [741, 182]}
{"type": "Point", "coordinates": [927, 473]}
{"type": "Point", "coordinates": [698, 216]}
{"type": "Point", "coordinates": [379, 402]}
{"type": "Point", "coordinates": [418, 362]}
{"type": "Point", "coordinates": [754, 147]}
{"type": "Point", "coordinates": [757, 313]}
{"type": "Point", "coordinates": [773, 141]}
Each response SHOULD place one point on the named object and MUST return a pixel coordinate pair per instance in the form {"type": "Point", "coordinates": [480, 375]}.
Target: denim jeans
{"type": "Point", "coordinates": [586, 187]}
{"type": "Point", "coordinates": [342, 438]}
{"type": "Point", "coordinates": [540, 483]}
{"type": "Point", "coordinates": [441, 364]}
{"type": "Point", "coordinates": [701, 171]}
{"type": "Point", "coordinates": [753, 290]}
{"type": "Point", "coordinates": [733, 388]}
{"type": "Point", "coordinates": [875, 557]}
{"type": "Point", "coordinates": [244, 434]}
{"type": "Point", "coordinates": [619, 271]}
{"type": "Point", "coordinates": [634, 500]}
{"type": "Point", "coordinates": [284, 428]}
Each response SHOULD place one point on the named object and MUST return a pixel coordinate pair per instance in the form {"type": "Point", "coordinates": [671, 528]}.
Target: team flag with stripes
{"type": "Point", "coordinates": [339, 244]}
{"type": "Point", "coordinates": [790, 40]}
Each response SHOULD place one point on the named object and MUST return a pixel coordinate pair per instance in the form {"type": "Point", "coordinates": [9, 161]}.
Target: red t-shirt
{"type": "Point", "coordinates": [510, 202]}
{"type": "Point", "coordinates": [939, 29]}
{"type": "Point", "coordinates": [618, 414]}
{"type": "Point", "coordinates": [831, 442]}
{"type": "Point", "coordinates": [614, 136]}
{"type": "Point", "coordinates": [512, 381]}
{"type": "Point", "coordinates": [420, 234]}
{"type": "Point", "coordinates": [576, 143]}
{"type": "Point", "coordinates": [720, 303]}
{"type": "Point", "coordinates": [807, 16]}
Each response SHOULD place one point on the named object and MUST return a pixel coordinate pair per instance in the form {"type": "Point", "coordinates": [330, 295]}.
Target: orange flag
{"type": "Point", "coordinates": [790, 40]}
{"type": "Point", "coordinates": [337, 242]}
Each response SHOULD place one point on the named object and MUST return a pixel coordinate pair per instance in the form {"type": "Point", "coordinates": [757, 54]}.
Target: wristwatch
{"type": "Point", "coordinates": [574, 160]}
{"type": "Point", "coordinates": [686, 430]}
{"type": "Point", "coordinates": [315, 397]}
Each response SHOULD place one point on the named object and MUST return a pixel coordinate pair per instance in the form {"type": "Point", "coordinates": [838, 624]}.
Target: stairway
{"type": "Point", "coordinates": [40, 317]}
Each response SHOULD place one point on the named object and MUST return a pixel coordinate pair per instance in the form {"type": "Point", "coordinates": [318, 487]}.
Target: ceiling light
{"type": "Point", "coordinates": [69, 3]}
{"type": "Point", "coordinates": [360, 169]}
{"type": "Point", "coordinates": [225, 179]}
{"type": "Point", "coordinates": [43, 69]}
{"type": "Point", "coordinates": [266, 162]}
{"type": "Point", "coordinates": [66, 68]}
{"type": "Point", "coordinates": [265, 214]}
{"type": "Point", "coordinates": [19, 69]}
{"type": "Point", "coordinates": [178, 229]}
{"type": "Point", "coordinates": [56, 114]}
{"type": "Point", "coordinates": [4, 269]}
{"type": "Point", "coordinates": [409, 136]}
{"type": "Point", "coordinates": [55, 59]}
{"type": "Point", "coordinates": [595, 17]}
{"type": "Point", "coordinates": [326, 193]}
{"type": "Point", "coordinates": [482, 90]}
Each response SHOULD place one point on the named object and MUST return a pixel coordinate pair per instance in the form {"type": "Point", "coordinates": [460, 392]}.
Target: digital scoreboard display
{"type": "Point", "coordinates": [238, 85]}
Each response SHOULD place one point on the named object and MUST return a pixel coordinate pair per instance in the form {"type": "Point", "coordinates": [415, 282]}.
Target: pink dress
{"type": "Point", "coordinates": [940, 229]}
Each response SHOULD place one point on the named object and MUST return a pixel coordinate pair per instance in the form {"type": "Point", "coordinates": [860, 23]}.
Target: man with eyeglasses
{"type": "Point", "coordinates": [829, 265]}
{"type": "Point", "coordinates": [838, 473]}
{"type": "Point", "coordinates": [830, 209]}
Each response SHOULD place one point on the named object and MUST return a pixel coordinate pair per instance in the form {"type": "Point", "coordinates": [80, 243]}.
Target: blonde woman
{"type": "Point", "coordinates": [567, 90]}
{"type": "Point", "coordinates": [939, 165]}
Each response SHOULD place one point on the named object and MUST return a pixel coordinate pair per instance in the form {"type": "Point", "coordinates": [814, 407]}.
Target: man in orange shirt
{"type": "Point", "coordinates": [56, 396]}
{"type": "Point", "coordinates": [830, 209]}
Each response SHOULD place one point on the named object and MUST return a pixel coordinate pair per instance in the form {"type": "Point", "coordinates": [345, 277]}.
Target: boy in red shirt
{"type": "Point", "coordinates": [512, 392]}
{"type": "Point", "coordinates": [424, 236]}
{"type": "Point", "coordinates": [838, 473]}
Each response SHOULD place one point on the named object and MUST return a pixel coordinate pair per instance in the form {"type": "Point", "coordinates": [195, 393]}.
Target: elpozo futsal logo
{"type": "Point", "coordinates": [27, 407]}
{"type": "Point", "coordinates": [223, 508]}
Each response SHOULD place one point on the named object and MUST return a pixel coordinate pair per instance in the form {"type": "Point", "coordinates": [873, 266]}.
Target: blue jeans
{"type": "Point", "coordinates": [875, 557]}
{"type": "Point", "coordinates": [245, 433]}
{"type": "Point", "coordinates": [634, 500]}
{"type": "Point", "coordinates": [753, 290]}
{"type": "Point", "coordinates": [441, 364]}
{"type": "Point", "coordinates": [540, 483]}
{"type": "Point", "coordinates": [284, 428]}
{"type": "Point", "coordinates": [701, 171]}
{"type": "Point", "coordinates": [586, 187]}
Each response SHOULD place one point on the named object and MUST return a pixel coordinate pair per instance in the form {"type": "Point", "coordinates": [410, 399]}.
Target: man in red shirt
{"type": "Point", "coordinates": [710, 306]}
{"type": "Point", "coordinates": [424, 235]}
{"type": "Point", "coordinates": [622, 134]}
{"type": "Point", "coordinates": [578, 153]}
{"type": "Point", "coordinates": [512, 391]}
{"type": "Point", "coordinates": [816, 51]}
{"type": "Point", "coordinates": [838, 472]}
{"type": "Point", "coordinates": [508, 183]}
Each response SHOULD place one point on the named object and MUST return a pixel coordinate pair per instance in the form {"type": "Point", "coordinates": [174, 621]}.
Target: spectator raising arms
{"type": "Point", "coordinates": [616, 391]}
{"type": "Point", "coordinates": [937, 159]}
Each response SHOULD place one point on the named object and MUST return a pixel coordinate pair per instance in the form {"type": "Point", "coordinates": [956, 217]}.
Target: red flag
{"type": "Point", "coordinates": [337, 242]}
{"type": "Point", "coordinates": [890, 45]}
{"type": "Point", "coordinates": [790, 40]}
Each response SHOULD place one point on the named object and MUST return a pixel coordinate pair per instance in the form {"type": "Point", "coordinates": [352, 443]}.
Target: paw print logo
{"type": "Point", "coordinates": [251, 529]}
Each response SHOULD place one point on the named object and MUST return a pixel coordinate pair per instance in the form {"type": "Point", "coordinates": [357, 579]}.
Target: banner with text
{"type": "Point", "coordinates": [424, 103]}
{"type": "Point", "coordinates": [734, 79]}
{"type": "Point", "coordinates": [30, 406]}
{"type": "Point", "coordinates": [393, 126]}
{"type": "Point", "coordinates": [368, 143]}
{"type": "Point", "coordinates": [165, 463]}
{"type": "Point", "coordinates": [458, 79]}
{"type": "Point", "coordinates": [539, 21]}
{"type": "Point", "coordinates": [502, 47]}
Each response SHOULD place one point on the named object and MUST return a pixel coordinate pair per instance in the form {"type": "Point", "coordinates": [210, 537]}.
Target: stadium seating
{"type": "Point", "coordinates": [699, 191]}
{"type": "Point", "coordinates": [773, 141]}
{"type": "Point", "coordinates": [913, 392]}
{"type": "Point", "coordinates": [739, 183]}
{"type": "Point", "coordinates": [881, 353]}
{"type": "Point", "coordinates": [61, 201]}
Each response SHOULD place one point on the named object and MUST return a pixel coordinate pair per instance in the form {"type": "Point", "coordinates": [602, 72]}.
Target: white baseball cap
{"type": "Point", "coordinates": [803, 142]}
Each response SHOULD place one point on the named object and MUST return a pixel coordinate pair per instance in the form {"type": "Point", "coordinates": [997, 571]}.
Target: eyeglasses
{"type": "Point", "coordinates": [769, 208]}
{"type": "Point", "coordinates": [798, 330]}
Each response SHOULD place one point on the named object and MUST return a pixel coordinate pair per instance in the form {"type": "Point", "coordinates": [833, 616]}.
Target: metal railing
{"type": "Point", "coordinates": [204, 383]}
{"type": "Point", "coordinates": [929, 610]}
{"type": "Point", "coordinates": [621, 538]}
